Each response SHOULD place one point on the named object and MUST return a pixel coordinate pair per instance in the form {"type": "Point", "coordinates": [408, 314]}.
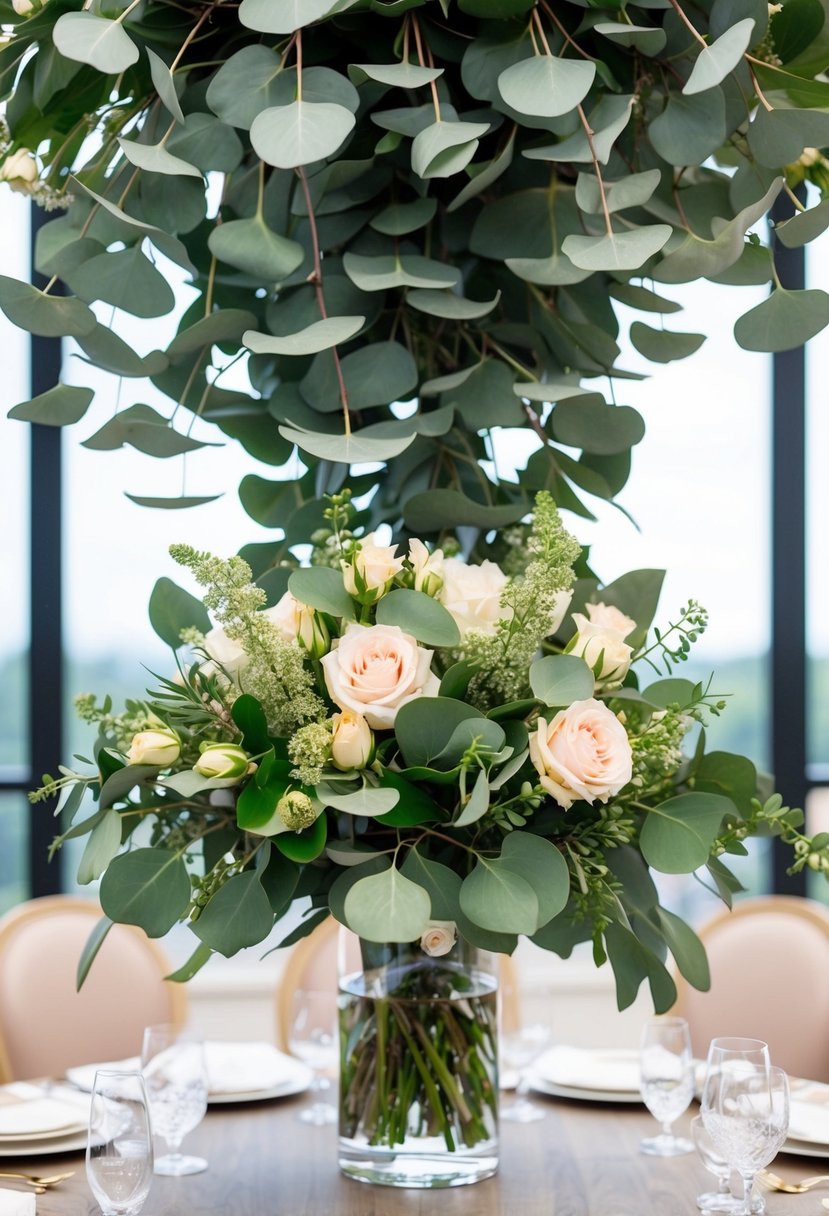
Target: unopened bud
{"type": "Point", "coordinates": [296, 810]}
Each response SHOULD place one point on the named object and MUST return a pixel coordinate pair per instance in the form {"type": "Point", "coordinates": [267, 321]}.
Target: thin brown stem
{"type": "Point", "coordinates": [588, 130]}
{"type": "Point", "coordinates": [299, 65]}
{"type": "Point", "coordinates": [421, 58]}
{"type": "Point", "coordinates": [689, 25]}
{"type": "Point", "coordinates": [542, 35]}
{"type": "Point", "coordinates": [764, 101]}
{"type": "Point", "coordinates": [535, 424]}
{"type": "Point", "coordinates": [316, 279]}
{"type": "Point", "coordinates": [548, 9]}
{"type": "Point", "coordinates": [204, 17]}
{"type": "Point", "coordinates": [798, 206]}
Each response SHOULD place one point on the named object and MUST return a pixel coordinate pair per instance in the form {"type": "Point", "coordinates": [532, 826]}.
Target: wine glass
{"type": "Point", "coordinates": [313, 1039]}
{"type": "Point", "coordinates": [666, 1082]}
{"type": "Point", "coordinates": [721, 1200]}
{"type": "Point", "coordinates": [520, 1048]}
{"type": "Point", "coordinates": [734, 1051]}
{"type": "Point", "coordinates": [119, 1152]}
{"type": "Point", "coordinates": [176, 1078]}
{"type": "Point", "coordinates": [745, 1110]}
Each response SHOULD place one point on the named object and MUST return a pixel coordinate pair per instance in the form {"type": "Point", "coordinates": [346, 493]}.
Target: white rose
{"type": "Point", "coordinates": [229, 654]}
{"type": "Point", "coordinates": [370, 571]}
{"type": "Point", "coordinates": [583, 753]}
{"type": "Point", "coordinates": [19, 170]}
{"type": "Point", "coordinates": [438, 938]}
{"type": "Point", "coordinates": [285, 616]}
{"type": "Point", "coordinates": [427, 567]}
{"type": "Point", "coordinates": [606, 616]}
{"type": "Point", "coordinates": [603, 650]}
{"type": "Point", "coordinates": [352, 741]}
{"type": "Point", "coordinates": [225, 762]}
{"type": "Point", "coordinates": [23, 7]}
{"type": "Point", "coordinates": [561, 602]}
{"type": "Point", "coordinates": [158, 746]}
{"type": "Point", "coordinates": [473, 594]}
{"type": "Point", "coordinates": [376, 669]}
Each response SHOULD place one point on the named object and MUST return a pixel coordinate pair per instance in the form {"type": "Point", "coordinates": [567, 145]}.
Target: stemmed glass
{"type": "Point", "coordinates": [745, 1110]}
{"type": "Point", "coordinates": [119, 1153]}
{"type": "Point", "coordinates": [666, 1082]}
{"type": "Point", "coordinates": [520, 1049]}
{"type": "Point", "coordinates": [721, 1200]}
{"type": "Point", "coordinates": [313, 1039]}
{"type": "Point", "coordinates": [176, 1078]}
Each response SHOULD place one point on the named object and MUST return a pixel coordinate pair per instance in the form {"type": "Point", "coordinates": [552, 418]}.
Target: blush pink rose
{"type": "Point", "coordinates": [582, 754]}
{"type": "Point", "coordinates": [376, 669]}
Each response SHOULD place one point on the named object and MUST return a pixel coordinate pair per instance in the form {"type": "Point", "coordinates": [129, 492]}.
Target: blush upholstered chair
{"type": "Point", "coordinates": [769, 961]}
{"type": "Point", "coordinates": [45, 1025]}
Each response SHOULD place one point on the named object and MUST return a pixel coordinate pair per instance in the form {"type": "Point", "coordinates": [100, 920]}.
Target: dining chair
{"type": "Point", "coordinates": [769, 960]}
{"type": "Point", "coordinates": [46, 1026]}
{"type": "Point", "coordinates": [314, 963]}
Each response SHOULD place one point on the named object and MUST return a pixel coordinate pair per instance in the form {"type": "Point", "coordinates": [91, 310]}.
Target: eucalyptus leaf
{"type": "Point", "coordinates": [300, 133]}
{"type": "Point", "coordinates": [663, 345]}
{"type": "Point", "coordinates": [322, 588]}
{"type": "Point", "coordinates": [650, 39]}
{"type": "Point", "coordinates": [560, 679]}
{"type": "Point", "coordinates": [285, 16]}
{"type": "Point", "coordinates": [101, 43]}
{"type": "Point", "coordinates": [320, 335]}
{"type": "Point", "coordinates": [352, 448]}
{"type": "Point", "coordinates": [397, 75]}
{"type": "Point", "coordinates": [146, 887]}
{"type": "Point", "coordinates": [450, 306]}
{"type": "Point", "coordinates": [677, 835]}
{"type": "Point", "coordinates": [495, 897]}
{"type": "Point", "coordinates": [172, 609]}
{"type": "Point", "coordinates": [381, 273]}
{"type": "Point", "coordinates": [239, 914]}
{"type": "Point", "coordinates": [420, 615]}
{"type": "Point", "coordinates": [624, 192]}
{"type": "Point", "coordinates": [156, 159]}
{"type": "Point", "coordinates": [437, 509]}
{"type": "Point", "coordinates": [369, 801]}
{"type": "Point", "coordinates": [45, 315]}
{"type": "Point", "coordinates": [251, 246]}
{"type": "Point", "coordinates": [477, 804]}
{"type": "Point", "coordinates": [387, 907]}
{"type": "Point", "coordinates": [542, 865]}
{"type": "Point", "coordinates": [619, 251]}
{"type": "Point", "coordinates": [165, 85]}
{"type": "Point", "coordinates": [125, 279]}
{"type": "Point", "coordinates": [596, 427]}
{"type": "Point", "coordinates": [445, 148]}
{"type": "Point", "coordinates": [545, 85]}
{"type": "Point", "coordinates": [102, 845]}
{"type": "Point", "coordinates": [90, 951]}
{"type": "Point", "coordinates": [783, 321]}
{"type": "Point", "coordinates": [62, 405]}
{"type": "Point", "coordinates": [718, 60]}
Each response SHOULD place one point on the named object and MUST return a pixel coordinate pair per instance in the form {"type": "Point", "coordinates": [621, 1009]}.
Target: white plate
{"type": "Point", "coordinates": [294, 1085]}
{"type": "Point", "coordinates": [75, 1143]}
{"type": "Point", "coordinates": [805, 1148]}
{"type": "Point", "coordinates": [552, 1090]}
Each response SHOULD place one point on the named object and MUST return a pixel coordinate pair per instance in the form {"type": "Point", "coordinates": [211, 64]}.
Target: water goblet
{"type": "Point", "coordinates": [745, 1110]}
{"type": "Point", "coordinates": [175, 1074]}
{"type": "Point", "coordinates": [119, 1153]}
{"type": "Point", "coordinates": [520, 1048]}
{"type": "Point", "coordinates": [313, 1039]}
{"type": "Point", "coordinates": [667, 1081]}
{"type": "Point", "coordinates": [733, 1051]}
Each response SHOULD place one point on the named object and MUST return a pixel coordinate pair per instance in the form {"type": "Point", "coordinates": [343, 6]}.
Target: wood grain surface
{"type": "Point", "coordinates": [581, 1160]}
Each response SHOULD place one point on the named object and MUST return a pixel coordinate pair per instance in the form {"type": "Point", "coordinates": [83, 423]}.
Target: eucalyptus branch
{"type": "Point", "coordinates": [422, 61]}
{"type": "Point", "coordinates": [588, 131]}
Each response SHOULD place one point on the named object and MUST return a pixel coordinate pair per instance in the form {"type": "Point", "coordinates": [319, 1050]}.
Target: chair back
{"type": "Point", "coordinates": [46, 1026]}
{"type": "Point", "coordinates": [313, 965]}
{"type": "Point", "coordinates": [769, 960]}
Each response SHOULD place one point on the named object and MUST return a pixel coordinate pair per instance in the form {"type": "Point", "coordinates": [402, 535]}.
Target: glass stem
{"type": "Point", "coordinates": [724, 1184]}
{"type": "Point", "coordinates": [666, 1129]}
{"type": "Point", "coordinates": [748, 1187]}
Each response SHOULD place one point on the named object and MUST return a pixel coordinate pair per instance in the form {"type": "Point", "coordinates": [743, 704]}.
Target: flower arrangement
{"type": "Point", "coordinates": [422, 747]}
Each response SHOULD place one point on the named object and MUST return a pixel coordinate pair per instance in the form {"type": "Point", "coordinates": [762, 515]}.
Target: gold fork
{"type": "Point", "coordinates": [775, 1183]}
{"type": "Point", "coordinates": [40, 1182]}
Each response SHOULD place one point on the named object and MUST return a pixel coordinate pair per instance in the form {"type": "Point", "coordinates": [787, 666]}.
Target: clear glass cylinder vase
{"type": "Point", "coordinates": [418, 1064]}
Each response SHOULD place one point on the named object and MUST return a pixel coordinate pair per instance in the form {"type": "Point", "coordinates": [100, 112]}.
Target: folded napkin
{"type": "Point", "coordinates": [583, 1068]}
{"type": "Point", "coordinates": [232, 1068]}
{"type": "Point", "coordinates": [26, 1110]}
{"type": "Point", "coordinates": [809, 1121]}
{"type": "Point", "coordinates": [237, 1068]}
{"type": "Point", "coordinates": [16, 1203]}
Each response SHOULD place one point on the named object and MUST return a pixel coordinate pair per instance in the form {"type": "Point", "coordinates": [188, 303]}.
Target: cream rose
{"type": "Point", "coordinates": [352, 742]}
{"type": "Point", "coordinates": [226, 652]}
{"type": "Point", "coordinates": [603, 650]}
{"type": "Point", "coordinates": [561, 602]}
{"type": "Point", "coordinates": [370, 571]}
{"type": "Point", "coordinates": [375, 670]}
{"type": "Point", "coordinates": [427, 567]}
{"type": "Point", "coordinates": [285, 616]}
{"type": "Point", "coordinates": [606, 616]}
{"type": "Point", "coordinates": [583, 753]}
{"type": "Point", "coordinates": [473, 594]}
{"type": "Point", "coordinates": [19, 170]}
{"type": "Point", "coordinates": [155, 746]}
{"type": "Point", "coordinates": [438, 937]}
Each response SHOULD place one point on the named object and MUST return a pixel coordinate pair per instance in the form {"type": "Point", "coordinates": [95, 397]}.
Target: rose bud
{"type": "Point", "coordinates": [353, 743]}
{"type": "Point", "coordinates": [158, 745]}
{"type": "Point", "coordinates": [224, 762]}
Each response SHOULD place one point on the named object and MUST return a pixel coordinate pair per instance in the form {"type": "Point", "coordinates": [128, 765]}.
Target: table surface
{"type": "Point", "coordinates": [581, 1160]}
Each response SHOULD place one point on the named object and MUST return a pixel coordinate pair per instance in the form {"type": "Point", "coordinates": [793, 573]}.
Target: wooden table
{"type": "Point", "coordinates": [582, 1160]}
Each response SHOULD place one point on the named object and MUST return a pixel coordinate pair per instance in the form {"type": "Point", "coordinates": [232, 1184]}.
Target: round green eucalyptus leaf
{"type": "Point", "coordinates": [300, 133]}
{"type": "Point", "coordinates": [621, 251]}
{"type": "Point", "coordinates": [111, 353]}
{"type": "Point", "coordinates": [649, 39]}
{"type": "Point", "coordinates": [62, 405]}
{"type": "Point", "coordinates": [643, 299]}
{"type": "Point", "coordinates": [450, 306]}
{"type": "Point", "coordinates": [376, 374]}
{"type": "Point", "coordinates": [238, 915]}
{"type": "Point", "coordinates": [181, 503]}
{"type": "Point", "coordinates": [607, 119]}
{"type": "Point", "coordinates": [718, 60]}
{"type": "Point", "coordinates": [690, 129]}
{"type": "Point", "coordinates": [677, 835]}
{"type": "Point", "coordinates": [165, 85]}
{"type": "Point", "coordinates": [46, 316]}
{"type": "Point", "coordinates": [539, 863]}
{"type": "Point", "coordinates": [370, 801]}
{"type": "Point", "coordinates": [101, 43]}
{"type": "Point", "coordinates": [387, 907]}
{"type": "Point", "coordinates": [172, 609]}
{"type": "Point", "coordinates": [245, 85]}
{"type": "Point", "coordinates": [495, 897]}
{"type": "Point", "coordinates": [546, 86]}
{"type": "Point", "coordinates": [560, 679]}
{"type": "Point", "coordinates": [156, 159]}
{"type": "Point", "coordinates": [354, 448]}
{"type": "Point", "coordinates": [125, 279]}
{"type": "Point", "coordinates": [783, 321]}
{"type": "Point", "coordinates": [445, 148]}
{"type": "Point", "coordinates": [420, 615]}
{"type": "Point", "coordinates": [778, 137]}
{"type": "Point", "coordinates": [555, 271]}
{"type": "Point", "coordinates": [284, 16]}
{"type": "Point", "coordinates": [322, 588]}
{"type": "Point", "coordinates": [398, 219]}
{"type": "Point", "coordinates": [102, 845]}
{"type": "Point", "coordinates": [804, 227]}
{"type": "Point", "coordinates": [434, 510]}
{"type": "Point", "coordinates": [424, 725]}
{"type": "Point", "coordinates": [251, 246]}
{"type": "Point", "coordinates": [146, 887]}
{"type": "Point", "coordinates": [396, 75]}
{"type": "Point", "coordinates": [225, 325]}
{"type": "Point", "coordinates": [320, 335]}
{"type": "Point", "coordinates": [371, 273]}
{"type": "Point", "coordinates": [631, 191]}
{"type": "Point", "coordinates": [663, 345]}
{"type": "Point", "coordinates": [208, 143]}
{"type": "Point", "coordinates": [306, 845]}
{"type": "Point", "coordinates": [596, 427]}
